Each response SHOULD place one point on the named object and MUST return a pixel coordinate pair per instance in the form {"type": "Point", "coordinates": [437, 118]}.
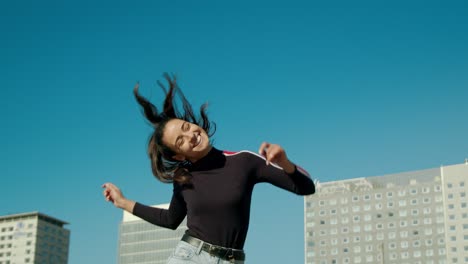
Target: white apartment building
{"type": "Point", "coordinates": [141, 242]}
{"type": "Point", "coordinates": [33, 238]}
{"type": "Point", "coordinates": [418, 217]}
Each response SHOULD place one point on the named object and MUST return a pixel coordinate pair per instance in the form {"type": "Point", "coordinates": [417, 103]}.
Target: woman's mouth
{"type": "Point", "coordinates": [199, 140]}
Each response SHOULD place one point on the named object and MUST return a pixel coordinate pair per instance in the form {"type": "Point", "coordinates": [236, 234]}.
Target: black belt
{"type": "Point", "coordinates": [229, 254]}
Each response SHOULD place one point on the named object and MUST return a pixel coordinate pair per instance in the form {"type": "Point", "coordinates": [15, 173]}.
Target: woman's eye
{"type": "Point", "coordinates": [186, 126]}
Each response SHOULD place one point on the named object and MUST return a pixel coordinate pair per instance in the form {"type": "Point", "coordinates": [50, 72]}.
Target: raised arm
{"type": "Point", "coordinates": [273, 166]}
{"type": "Point", "coordinates": [168, 218]}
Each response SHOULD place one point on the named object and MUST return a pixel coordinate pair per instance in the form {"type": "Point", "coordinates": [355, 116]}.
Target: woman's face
{"type": "Point", "coordinates": [186, 139]}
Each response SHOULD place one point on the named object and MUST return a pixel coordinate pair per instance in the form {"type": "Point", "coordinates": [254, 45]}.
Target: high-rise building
{"type": "Point", "coordinates": [142, 242]}
{"type": "Point", "coordinates": [33, 238]}
{"type": "Point", "coordinates": [418, 217]}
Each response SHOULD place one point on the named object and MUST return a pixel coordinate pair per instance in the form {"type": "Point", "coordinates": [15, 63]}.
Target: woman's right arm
{"type": "Point", "coordinates": [169, 218]}
{"type": "Point", "coordinates": [113, 194]}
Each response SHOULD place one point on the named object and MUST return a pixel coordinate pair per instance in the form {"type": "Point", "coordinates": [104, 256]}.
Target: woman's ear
{"type": "Point", "coordinates": [179, 157]}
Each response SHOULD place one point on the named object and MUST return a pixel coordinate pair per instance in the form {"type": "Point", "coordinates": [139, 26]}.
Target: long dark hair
{"type": "Point", "coordinates": [164, 167]}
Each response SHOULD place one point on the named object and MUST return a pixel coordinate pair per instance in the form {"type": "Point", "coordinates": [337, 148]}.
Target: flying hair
{"type": "Point", "coordinates": [164, 167]}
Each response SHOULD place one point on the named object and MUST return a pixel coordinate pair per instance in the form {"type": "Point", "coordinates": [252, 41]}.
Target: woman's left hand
{"type": "Point", "coordinates": [276, 154]}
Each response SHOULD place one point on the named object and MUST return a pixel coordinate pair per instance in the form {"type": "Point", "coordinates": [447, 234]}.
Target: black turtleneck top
{"type": "Point", "coordinates": [217, 202]}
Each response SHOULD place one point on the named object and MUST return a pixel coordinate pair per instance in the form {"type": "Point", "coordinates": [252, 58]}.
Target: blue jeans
{"type": "Point", "coordinates": [185, 253]}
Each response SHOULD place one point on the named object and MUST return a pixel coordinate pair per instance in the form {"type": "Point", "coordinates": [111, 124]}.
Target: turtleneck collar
{"type": "Point", "coordinates": [214, 159]}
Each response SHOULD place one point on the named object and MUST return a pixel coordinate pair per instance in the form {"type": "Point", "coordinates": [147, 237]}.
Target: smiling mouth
{"type": "Point", "coordinates": [199, 140]}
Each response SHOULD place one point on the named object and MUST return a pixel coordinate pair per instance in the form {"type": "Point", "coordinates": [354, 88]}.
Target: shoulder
{"type": "Point", "coordinates": [243, 155]}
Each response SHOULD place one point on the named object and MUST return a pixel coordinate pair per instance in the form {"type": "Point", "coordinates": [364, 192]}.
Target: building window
{"type": "Point", "coordinates": [450, 196]}
{"type": "Point", "coordinates": [367, 217]}
{"type": "Point", "coordinates": [449, 185]}
{"type": "Point", "coordinates": [428, 231]}
{"type": "Point", "coordinates": [428, 242]}
{"type": "Point", "coordinates": [462, 184]}
{"type": "Point", "coordinates": [378, 196]}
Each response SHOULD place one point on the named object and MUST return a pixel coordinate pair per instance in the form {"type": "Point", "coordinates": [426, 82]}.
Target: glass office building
{"type": "Point", "coordinates": [141, 242]}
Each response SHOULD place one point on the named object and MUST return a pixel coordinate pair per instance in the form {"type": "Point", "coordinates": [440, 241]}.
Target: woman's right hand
{"type": "Point", "coordinates": [113, 194]}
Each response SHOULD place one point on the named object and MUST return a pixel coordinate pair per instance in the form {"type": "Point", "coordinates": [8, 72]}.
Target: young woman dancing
{"type": "Point", "coordinates": [212, 187]}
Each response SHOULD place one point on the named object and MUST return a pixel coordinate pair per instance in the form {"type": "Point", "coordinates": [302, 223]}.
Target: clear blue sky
{"type": "Point", "coordinates": [349, 89]}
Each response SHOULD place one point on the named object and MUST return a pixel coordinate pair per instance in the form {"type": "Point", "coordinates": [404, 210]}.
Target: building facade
{"type": "Point", "coordinates": [418, 217]}
{"type": "Point", "coordinates": [33, 238]}
{"type": "Point", "coordinates": [141, 242]}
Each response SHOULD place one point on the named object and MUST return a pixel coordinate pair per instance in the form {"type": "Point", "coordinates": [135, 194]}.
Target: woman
{"type": "Point", "coordinates": [213, 188]}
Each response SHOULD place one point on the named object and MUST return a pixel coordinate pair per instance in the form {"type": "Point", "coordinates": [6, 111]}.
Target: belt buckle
{"type": "Point", "coordinates": [231, 257]}
{"type": "Point", "coordinates": [211, 250]}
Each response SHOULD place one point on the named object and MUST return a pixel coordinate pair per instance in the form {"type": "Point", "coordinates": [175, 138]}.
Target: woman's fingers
{"type": "Point", "coordinates": [272, 153]}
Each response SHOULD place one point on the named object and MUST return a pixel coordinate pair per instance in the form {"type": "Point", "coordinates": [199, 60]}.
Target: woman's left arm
{"type": "Point", "coordinates": [277, 169]}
